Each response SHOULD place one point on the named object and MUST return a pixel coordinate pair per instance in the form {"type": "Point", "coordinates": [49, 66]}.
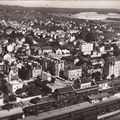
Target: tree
{"type": "Point", "coordinates": [47, 90]}
{"type": "Point", "coordinates": [7, 106]}
{"type": "Point", "coordinates": [112, 76]}
{"type": "Point", "coordinates": [12, 98]}
{"type": "Point", "coordinates": [53, 80]}
{"type": "Point", "coordinates": [97, 76]}
{"type": "Point", "coordinates": [19, 91]}
{"type": "Point", "coordinates": [35, 100]}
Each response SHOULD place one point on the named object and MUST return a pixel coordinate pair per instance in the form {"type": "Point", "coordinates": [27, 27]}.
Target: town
{"type": "Point", "coordinates": [54, 62]}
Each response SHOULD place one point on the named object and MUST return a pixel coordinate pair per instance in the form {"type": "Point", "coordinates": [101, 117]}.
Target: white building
{"type": "Point", "coordinates": [85, 85]}
{"type": "Point", "coordinates": [114, 69]}
{"type": "Point", "coordinates": [95, 54]}
{"type": "Point", "coordinates": [73, 73]}
{"type": "Point", "coordinates": [86, 48]}
{"type": "Point", "coordinates": [14, 85]}
{"type": "Point", "coordinates": [104, 84]}
{"type": "Point", "coordinates": [1, 101]}
{"type": "Point", "coordinates": [46, 76]}
{"type": "Point", "coordinates": [36, 72]}
{"type": "Point", "coordinates": [63, 52]}
{"type": "Point", "coordinates": [13, 74]}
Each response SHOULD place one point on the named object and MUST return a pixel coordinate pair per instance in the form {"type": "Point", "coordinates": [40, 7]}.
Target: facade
{"type": "Point", "coordinates": [95, 54]}
{"type": "Point", "coordinates": [13, 74]}
{"type": "Point", "coordinates": [14, 85]}
{"type": "Point", "coordinates": [1, 101]}
{"type": "Point", "coordinates": [86, 48]}
{"type": "Point", "coordinates": [59, 65]}
{"type": "Point", "coordinates": [73, 73]}
{"type": "Point", "coordinates": [113, 68]}
{"type": "Point", "coordinates": [104, 85]}
{"type": "Point", "coordinates": [46, 76]}
{"type": "Point", "coordinates": [97, 66]}
{"type": "Point", "coordinates": [36, 50]}
{"type": "Point", "coordinates": [36, 72]}
{"type": "Point", "coordinates": [63, 52]}
{"type": "Point", "coordinates": [47, 49]}
{"type": "Point", "coordinates": [2, 67]}
{"type": "Point", "coordinates": [85, 85]}
{"type": "Point", "coordinates": [53, 65]}
{"type": "Point", "coordinates": [1, 49]}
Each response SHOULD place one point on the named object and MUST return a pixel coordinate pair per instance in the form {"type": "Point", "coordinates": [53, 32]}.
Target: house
{"type": "Point", "coordinates": [47, 49]}
{"type": "Point", "coordinates": [104, 84]}
{"type": "Point", "coordinates": [1, 101]}
{"type": "Point", "coordinates": [112, 67]}
{"type": "Point", "coordinates": [97, 66]}
{"type": "Point", "coordinates": [36, 69]}
{"type": "Point", "coordinates": [13, 74]}
{"type": "Point", "coordinates": [1, 49]}
{"type": "Point", "coordinates": [57, 65]}
{"type": "Point", "coordinates": [61, 93]}
{"type": "Point", "coordinates": [2, 67]}
{"type": "Point", "coordinates": [46, 76]}
{"type": "Point", "coordinates": [73, 73]}
{"type": "Point", "coordinates": [86, 48]}
{"type": "Point", "coordinates": [25, 72]}
{"type": "Point", "coordinates": [95, 54]}
{"type": "Point", "coordinates": [63, 52]}
{"type": "Point", "coordinates": [84, 83]}
{"type": "Point", "coordinates": [36, 72]}
{"type": "Point", "coordinates": [14, 85]}
{"type": "Point", "coordinates": [36, 50]}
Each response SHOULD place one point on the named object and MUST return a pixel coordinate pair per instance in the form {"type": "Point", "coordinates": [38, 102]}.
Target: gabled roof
{"type": "Point", "coordinates": [65, 90]}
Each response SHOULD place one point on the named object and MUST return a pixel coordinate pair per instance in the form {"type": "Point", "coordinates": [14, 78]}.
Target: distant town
{"type": "Point", "coordinates": [50, 62]}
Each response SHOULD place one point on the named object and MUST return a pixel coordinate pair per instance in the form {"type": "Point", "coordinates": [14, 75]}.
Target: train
{"type": "Point", "coordinates": [61, 98]}
{"type": "Point", "coordinates": [70, 95]}
{"type": "Point", "coordinates": [89, 112]}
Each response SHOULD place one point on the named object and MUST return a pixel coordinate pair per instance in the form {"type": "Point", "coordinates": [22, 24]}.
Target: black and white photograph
{"type": "Point", "coordinates": [59, 60]}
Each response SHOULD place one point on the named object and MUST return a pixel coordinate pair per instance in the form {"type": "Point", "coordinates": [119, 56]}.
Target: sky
{"type": "Point", "coordinates": [65, 3]}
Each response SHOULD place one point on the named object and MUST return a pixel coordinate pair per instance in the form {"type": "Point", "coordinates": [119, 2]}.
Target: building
{"type": "Point", "coordinates": [36, 69]}
{"type": "Point", "coordinates": [13, 74]}
{"type": "Point", "coordinates": [104, 84]}
{"type": "Point", "coordinates": [47, 49]}
{"type": "Point", "coordinates": [73, 73]}
{"type": "Point", "coordinates": [36, 72]}
{"type": "Point", "coordinates": [57, 65]}
{"type": "Point", "coordinates": [86, 48]}
{"type": "Point", "coordinates": [36, 50]}
{"type": "Point", "coordinates": [112, 67]}
{"type": "Point", "coordinates": [63, 52]}
{"type": "Point", "coordinates": [25, 72]}
{"type": "Point", "coordinates": [2, 67]}
{"type": "Point", "coordinates": [84, 83]}
{"type": "Point", "coordinates": [1, 97]}
{"type": "Point", "coordinates": [95, 54]}
{"type": "Point", "coordinates": [97, 66]}
{"type": "Point", "coordinates": [46, 76]}
{"type": "Point", "coordinates": [14, 85]}
{"type": "Point", "coordinates": [1, 49]}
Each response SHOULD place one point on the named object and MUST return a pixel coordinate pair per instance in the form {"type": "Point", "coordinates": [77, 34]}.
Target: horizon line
{"type": "Point", "coordinates": [57, 7]}
{"type": "Point", "coordinates": [99, 4]}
